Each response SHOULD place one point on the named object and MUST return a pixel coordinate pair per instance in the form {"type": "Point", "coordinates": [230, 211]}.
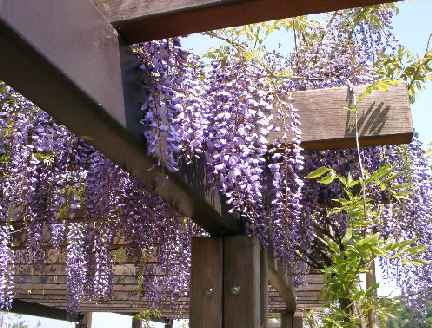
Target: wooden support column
{"type": "Point", "coordinates": [297, 322]}
{"type": "Point", "coordinates": [136, 323]}
{"type": "Point", "coordinates": [169, 323]}
{"type": "Point", "coordinates": [264, 286]}
{"type": "Point", "coordinates": [206, 283]}
{"type": "Point", "coordinates": [241, 279]}
{"type": "Point", "coordinates": [86, 321]}
{"type": "Point", "coordinates": [287, 319]}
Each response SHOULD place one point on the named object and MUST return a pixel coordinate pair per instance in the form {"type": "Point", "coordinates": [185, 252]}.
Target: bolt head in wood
{"type": "Point", "coordinates": [235, 290]}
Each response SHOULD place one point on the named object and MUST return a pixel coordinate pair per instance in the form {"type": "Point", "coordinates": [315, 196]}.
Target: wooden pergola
{"type": "Point", "coordinates": [72, 59]}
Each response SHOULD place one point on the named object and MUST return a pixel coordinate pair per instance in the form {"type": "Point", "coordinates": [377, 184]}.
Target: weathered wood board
{"type": "Point", "coordinates": [142, 20]}
{"type": "Point", "coordinates": [384, 117]}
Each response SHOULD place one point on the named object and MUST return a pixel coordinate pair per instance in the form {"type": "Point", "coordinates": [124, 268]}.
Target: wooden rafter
{"type": "Point", "coordinates": [143, 20]}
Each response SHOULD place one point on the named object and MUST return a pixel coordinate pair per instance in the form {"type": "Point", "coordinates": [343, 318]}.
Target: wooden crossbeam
{"type": "Point", "coordinates": [285, 288]}
{"type": "Point", "coordinates": [142, 20]}
{"type": "Point", "coordinates": [384, 117]}
{"type": "Point", "coordinates": [31, 308]}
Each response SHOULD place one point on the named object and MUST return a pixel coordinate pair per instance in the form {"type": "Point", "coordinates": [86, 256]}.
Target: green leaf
{"type": "Point", "coordinates": [318, 172]}
{"type": "Point", "coordinates": [348, 236]}
{"type": "Point", "coordinates": [329, 178]}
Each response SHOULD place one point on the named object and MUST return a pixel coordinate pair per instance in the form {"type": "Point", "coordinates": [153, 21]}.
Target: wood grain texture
{"type": "Point", "coordinates": [206, 283]}
{"type": "Point", "coordinates": [241, 279]}
{"type": "Point", "coordinates": [384, 118]}
{"type": "Point", "coordinates": [143, 20]}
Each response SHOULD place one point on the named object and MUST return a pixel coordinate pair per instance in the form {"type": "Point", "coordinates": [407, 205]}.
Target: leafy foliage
{"type": "Point", "coordinates": [348, 302]}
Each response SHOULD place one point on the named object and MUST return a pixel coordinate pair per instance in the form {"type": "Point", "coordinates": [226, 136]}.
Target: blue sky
{"type": "Point", "coordinates": [412, 26]}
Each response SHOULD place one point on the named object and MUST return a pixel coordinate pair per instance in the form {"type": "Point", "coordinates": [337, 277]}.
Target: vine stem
{"type": "Point", "coordinates": [370, 275]}
{"type": "Point", "coordinates": [353, 106]}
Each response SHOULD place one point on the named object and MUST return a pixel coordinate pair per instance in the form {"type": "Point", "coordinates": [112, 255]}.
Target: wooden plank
{"type": "Point", "coordinates": [384, 118]}
{"type": "Point", "coordinates": [29, 308]}
{"type": "Point", "coordinates": [206, 283]}
{"type": "Point", "coordinates": [280, 282]}
{"type": "Point", "coordinates": [241, 279]}
{"type": "Point", "coordinates": [59, 269]}
{"type": "Point", "coordinates": [142, 20]}
{"type": "Point", "coordinates": [74, 66]}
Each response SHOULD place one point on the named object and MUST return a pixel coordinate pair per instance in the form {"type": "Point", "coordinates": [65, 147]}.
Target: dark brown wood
{"type": "Point", "coordinates": [86, 321]}
{"type": "Point", "coordinates": [241, 279]}
{"type": "Point", "coordinates": [298, 321]}
{"type": "Point", "coordinates": [30, 308]}
{"type": "Point", "coordinates": [142, 20]}
{"type": "Point", "coordinates": [286, 319]}
{"type": "Point", "coordinates": [74, 67]}
{"type": "Point", "coordinates": [206, 283]}
{"type": "Point", "coordinates": [384, 118]}
{"type": "Point", "coordinates": [136, 323]}
{"type": "Point", "coordinates": [169, 323]}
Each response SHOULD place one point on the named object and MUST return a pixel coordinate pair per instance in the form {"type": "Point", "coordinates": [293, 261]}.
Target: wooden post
{"type": "Point", "coordinates": [241, 279]}
{"type": "Point", "coordinates": [206, 283]}
{"type": "Point", "coordinates": [287, 319]}
{"type": "Point", "coordinates": [169, 323]}
{"type": "Point", "coordinates": [136, 323]}
{"type": "Point", "coordinates": [297, 321]}
{"type": "Point", "coordinates": [86, 321]}
{"type": "Point", "coordinates": [264, 286]}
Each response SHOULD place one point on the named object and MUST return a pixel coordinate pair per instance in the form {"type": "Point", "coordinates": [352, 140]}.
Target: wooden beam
{"type": "Point", "coordinates": [29, 308]}
{"type": "Point", "coordinates": [66, 58]}
{"type": "Point", "coordinates": [280, 282]}
{"type": "Point", "coordinates": [206, 283]}
{"type": "Point", "coordinates": [142, 20]}
{"type": "Point", "coordinates": [384, 118]}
